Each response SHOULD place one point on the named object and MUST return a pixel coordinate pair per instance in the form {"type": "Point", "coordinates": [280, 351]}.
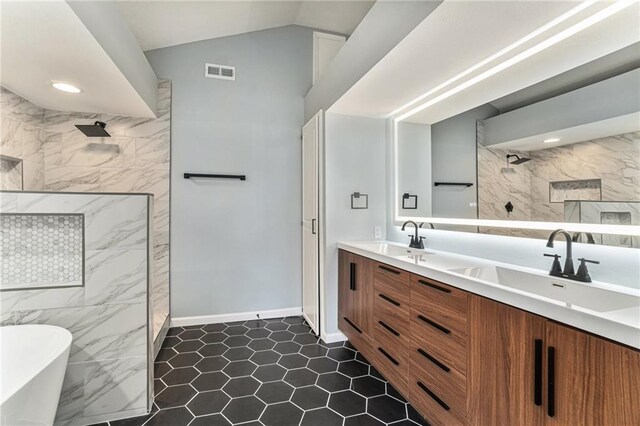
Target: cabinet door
{"type": "Point", "coordinates": [504, 376]}
{"type": "Point", "coordinates": [590, 381]}
{"type": "Point", "coordinates": [354, 293]}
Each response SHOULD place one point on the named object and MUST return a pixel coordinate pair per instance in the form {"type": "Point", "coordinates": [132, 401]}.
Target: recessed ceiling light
{"type": "Point", "coordinates": [65, 87]}
{"type": "Point", "coordinates": [552, 140]}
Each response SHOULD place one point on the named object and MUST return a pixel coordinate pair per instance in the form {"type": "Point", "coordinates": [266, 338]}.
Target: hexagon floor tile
{"type": "Point", "coordinates": [267, 372]}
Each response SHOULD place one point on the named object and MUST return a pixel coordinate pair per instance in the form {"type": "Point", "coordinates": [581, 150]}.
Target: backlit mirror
{"type": "Point", "coordinates": [564, 151]}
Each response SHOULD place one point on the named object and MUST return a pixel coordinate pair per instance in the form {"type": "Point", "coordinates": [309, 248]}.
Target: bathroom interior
{"type": "Point", "coordinates": [349, 213]}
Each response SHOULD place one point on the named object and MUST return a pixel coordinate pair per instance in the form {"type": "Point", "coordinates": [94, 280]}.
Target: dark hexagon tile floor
{"type": "Point", "coordinates": [271, 372]}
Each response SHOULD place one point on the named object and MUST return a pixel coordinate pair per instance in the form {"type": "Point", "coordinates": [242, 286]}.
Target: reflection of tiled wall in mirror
{"type": "Point", "coordinates": [611, 164]}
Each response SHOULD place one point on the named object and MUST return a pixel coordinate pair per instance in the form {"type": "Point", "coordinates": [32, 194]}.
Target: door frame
{"type": "Point", "coordinates": [319, 116]}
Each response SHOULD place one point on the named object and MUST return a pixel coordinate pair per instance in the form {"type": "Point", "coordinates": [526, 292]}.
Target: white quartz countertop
{"type": "Point", "coordinates": [604, 309]}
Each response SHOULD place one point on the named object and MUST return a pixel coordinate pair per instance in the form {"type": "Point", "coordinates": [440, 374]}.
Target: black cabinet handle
{"type": "Point", "coordinates": [537, 373]}
{"type": "Point", "coordinates": [551, 374]}
{"type": "Point", "coordinates": [434, 286]}
{"type": "Point", "coordinates": [352, 276]}
{"type": "Point", "coordinates": [388, 299]}
{"type": "Point", "coordinates": [392, 359]}
{"type": "Point", "coordinates": [386, 268]}
{"type": "Point", "coordinates": [352, 325]}
{"type": "Point", "coordinates": [434, 324]}
{"type": "Point", "coordinates": [433, 396]}
{"type": "Point", "coordinates": [433, 360]}
{"type": "Point", "coordinates": [391, 330]}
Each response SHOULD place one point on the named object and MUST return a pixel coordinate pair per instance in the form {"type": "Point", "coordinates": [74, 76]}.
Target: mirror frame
{"type": "Point", "coordinates": [398, 220]}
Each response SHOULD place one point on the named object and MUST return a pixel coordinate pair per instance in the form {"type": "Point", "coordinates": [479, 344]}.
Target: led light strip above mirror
{"type": "Point", "coordinates": [571, 23]}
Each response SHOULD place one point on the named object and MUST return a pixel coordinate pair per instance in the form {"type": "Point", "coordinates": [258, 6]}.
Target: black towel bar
{"type": "Point", "coordinates": [467, 184]}
{"type": "Point", "coordinates": [204, 175]}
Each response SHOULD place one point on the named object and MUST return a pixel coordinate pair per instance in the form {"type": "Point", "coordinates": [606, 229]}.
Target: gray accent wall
{"type": "Point", "coordinates": [453, 159]}
{"type": "Point", "coordinates": [236, 245]}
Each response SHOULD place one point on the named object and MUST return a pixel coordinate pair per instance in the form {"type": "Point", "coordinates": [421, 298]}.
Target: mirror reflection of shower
{"type": "Point", "coordinates": [517, 159]}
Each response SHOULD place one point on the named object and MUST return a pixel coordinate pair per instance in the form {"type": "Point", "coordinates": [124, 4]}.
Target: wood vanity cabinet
{"type": "Point", "coordinates": [464, 359]}
{"type": "Point", "coordinates": [355, 292]}
{"type": "Point", "coordinates": [505, 364]}
{"type": "Point", "coordinates": [526, 369]}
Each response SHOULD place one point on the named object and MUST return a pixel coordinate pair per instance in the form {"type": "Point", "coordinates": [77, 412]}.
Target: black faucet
{"type": "Point", "coordinates": [568, 261]}
{"type": "Point", "coordinates": [577, 235]}
{"type": "Point", "coordinates": [568, 272]}
{"type": "Point", "coordinates": [416, 241]}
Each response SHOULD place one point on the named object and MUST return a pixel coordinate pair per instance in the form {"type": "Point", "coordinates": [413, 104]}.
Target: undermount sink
{"type": "Point", "coordinates": [587, 296]}
{"type": "Point", "coordinates": [392, 249]}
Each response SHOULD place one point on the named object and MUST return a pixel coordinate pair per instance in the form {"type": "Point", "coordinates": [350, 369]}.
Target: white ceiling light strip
{"type": "Point", "coordinates": [586, 23]}
{"type": "Point", "coordinates": [582, 6]}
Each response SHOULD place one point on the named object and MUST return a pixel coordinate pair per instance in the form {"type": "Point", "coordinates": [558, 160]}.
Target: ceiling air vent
{"type": "Point", "coordinates": [223, 72]}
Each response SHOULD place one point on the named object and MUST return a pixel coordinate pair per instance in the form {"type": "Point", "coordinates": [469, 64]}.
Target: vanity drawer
{"type": "Point", "coordinates": [391, 275]}
{"type": "Point", "coordinates": [432, 398]}
{"type": "Point", "coordinates": [392, 361]}
{"type": "Point", "coordinates": [437, 371]}
{"type": "Point", "coordinates": [444, 304]}
{"type": "Point", "coordinates": [394, 327]}
{"type": "Point", "coordinates": [390, 296]}
{"type": "Point", "coordinates": [444, 344]}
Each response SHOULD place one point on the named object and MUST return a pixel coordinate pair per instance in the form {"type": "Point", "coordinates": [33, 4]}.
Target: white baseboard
{"type": "Point", "coordinates": [239, 316]}
{"type": "Point", "coordinates": [334, 337]}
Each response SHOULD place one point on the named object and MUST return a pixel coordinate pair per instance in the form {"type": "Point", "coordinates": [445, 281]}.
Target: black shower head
{"type": "Point", "coordinates": [95, 130]}
{"type": "Point", "coordinates": [517, 160]}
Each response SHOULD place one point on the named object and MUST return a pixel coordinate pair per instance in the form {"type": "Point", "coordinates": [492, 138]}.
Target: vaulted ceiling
{"type": "Point", "coordinates": [159, 24]}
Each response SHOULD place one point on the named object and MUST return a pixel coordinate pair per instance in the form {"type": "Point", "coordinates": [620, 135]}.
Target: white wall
{"type": "Point", "coordinates": [354, 161]}
{"type": "Point", "coordinates": [236, 246]}
{"type": "Point", "coordinates": [105, 22]}
{"type": "Point", "coordinates": [386, 23]}
{"type": "Point", "coordinates": [414, 175]}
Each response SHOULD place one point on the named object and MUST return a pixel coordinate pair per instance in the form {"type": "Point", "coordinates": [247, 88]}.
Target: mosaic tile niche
{"type": "Point", "coordinates": [41, 250]}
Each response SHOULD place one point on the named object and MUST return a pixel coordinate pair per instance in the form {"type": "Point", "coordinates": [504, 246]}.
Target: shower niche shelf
{"type": "Point", "coordinates": [575, 190]}
{"type": "Point", "coordinates": [41, 250]}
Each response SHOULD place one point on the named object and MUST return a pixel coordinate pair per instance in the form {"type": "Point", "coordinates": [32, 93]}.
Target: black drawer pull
{"type": "Point", "coordinates": [352, 276]}
{"type": "Point", "coordinates": [433, 395]}
{"type": "Point", "coordinates": [537, 373]}
{"type": "Point", "coordinates": [388, 299]}
{"type": "Point", "coordinates": [391, 330]}
{"type": "Point", "coordinates": [386, 268]}
{"type": "Point", "coordinates": [388, 356]}
{"type": "Point", "coordinates": [435, 325]}
{"type": "Point", "coordinates": [433, 360]}
{"type": "Point", "coordinates": [352, 325]}
{"type": "Point", "coordinates": [437, 287]}
{"type": "Point", "coordinates": [551, 377]}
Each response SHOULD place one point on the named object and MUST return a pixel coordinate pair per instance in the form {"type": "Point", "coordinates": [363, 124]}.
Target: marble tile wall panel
{"type": "Point", "coordinates": [97, 391]}
{"type": "Point", "coordinates": [135, 159]}
{"type": "Point", "coordinates": [10, 174]}
{"type": "Point", "coordinates": [108, 375]}
{"type": "Point", "coordinates": [57, 157]}
{"type": "Point", "coordinates": [22, 136]}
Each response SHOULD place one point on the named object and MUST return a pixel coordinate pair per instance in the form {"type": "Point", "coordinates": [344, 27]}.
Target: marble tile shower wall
{"type": "Point", "coordinates": [108, 375]}
{"type": "Point", "coordinates": [135, 159]}
{"type": "Point", "coordinates": [58, 157]}
{"type": "Point", "coordinates": [21, 137]}
{"type": "Point", "coordinates": [614, 160]}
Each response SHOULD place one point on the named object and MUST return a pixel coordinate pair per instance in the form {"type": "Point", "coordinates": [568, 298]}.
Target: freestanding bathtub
{"type": "Point", "coordinates": [33, 360]}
